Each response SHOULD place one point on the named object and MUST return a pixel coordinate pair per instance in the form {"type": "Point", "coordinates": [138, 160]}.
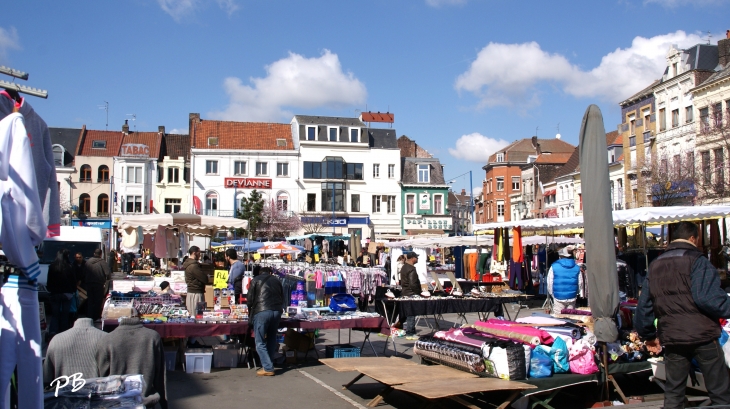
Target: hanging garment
{"type": "Point", "coordinates": [308, 244]}
{"type": "Point", "coordinates": [517, 276]}
{"type": "Point", "coordinates": [505, 245]}
{"type": "Point", "coordinates": [42, 152]}
{"type": "Point", "coordinates": [498, 246]}
{"type": "Point", "coordinates": [161, 242]}
{"type": "Point", "coordinates": [148, 242]}
{"type": "Point", "coordinates": [172, 244]}
{"type": "Point", "coordinates": [473, 266]}
{"type": "Point", "coordinates": [325, 246]}
{"type": "Point", "coordinates": [517, 254]}
{"type": "Point", "coordinates": [22, 226]}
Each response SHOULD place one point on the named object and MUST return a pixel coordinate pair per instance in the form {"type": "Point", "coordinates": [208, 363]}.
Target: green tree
{"type": "Point", "coordinates": [251, 209]}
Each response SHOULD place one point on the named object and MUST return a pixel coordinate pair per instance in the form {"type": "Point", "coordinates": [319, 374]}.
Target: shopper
{"type": "Point", "coordinates": [79, 269]}
{"type": "Point", "coordinates": [235, 274]}
{"type": "Point", "coordinates": [411, 285]}
{"type": "Point", "coordinates": [97, 275]}
{"type": "Point", "coordinates": [686, 299]}
{"type": "Point", "coordinates": [134, 349]}
{"type": "Point", "coordinates": [73, 351]}
{"type": "Point", "coordinates": [196, 280]}
{"type": "Point", "coordinates": [166, 289]}
{"type": "Point", "coordinates": [61, 285]}
{"type": "Point", "coordinates": [113, 261]}
{"type": "Point", "coordinates": [564, 281]}
{"type": "Point", "coordinates": [265, 303]}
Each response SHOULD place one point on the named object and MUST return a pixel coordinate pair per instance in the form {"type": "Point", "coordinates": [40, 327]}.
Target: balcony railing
{"type": "Point", "coordinates": [219, 213]}
{"type": "Point", "coordinates": [102, 214]}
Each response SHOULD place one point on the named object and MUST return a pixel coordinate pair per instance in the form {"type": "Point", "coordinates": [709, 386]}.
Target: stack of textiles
{"type": "Point", "coordinates": [514, 331]}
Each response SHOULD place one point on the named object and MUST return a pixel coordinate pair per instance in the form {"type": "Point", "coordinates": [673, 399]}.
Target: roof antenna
{"type": "Point", "coordinates": [558, 135]}
{"type": "Point", "coordinates": [536, 128]}
{"type": "Point", "coordinates": [709, 36]}
{"type": "Point", "coordinates": [106, 108]}
{"type": "Point", "coordinates": [134, 119]}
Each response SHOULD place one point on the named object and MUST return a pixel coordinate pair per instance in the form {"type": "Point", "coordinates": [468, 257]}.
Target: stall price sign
{"type": "Point", "coordinates": [220, 279]}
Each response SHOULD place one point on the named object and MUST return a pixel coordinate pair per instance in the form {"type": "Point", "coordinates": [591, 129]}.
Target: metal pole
{"type": "Point", "coordinates": [471, 198]}
{"type": "Point", "coordinates": [333, 209]}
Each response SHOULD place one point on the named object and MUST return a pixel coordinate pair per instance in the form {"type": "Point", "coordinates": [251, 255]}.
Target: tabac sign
{"type": "Point", "coordinates": [136, 150]}
{"type": "Point", "coordinates": [247, 183]}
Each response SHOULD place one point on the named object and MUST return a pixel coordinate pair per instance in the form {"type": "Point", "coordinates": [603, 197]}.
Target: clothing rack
{"type": "Point", "coordinates": [13, 87]}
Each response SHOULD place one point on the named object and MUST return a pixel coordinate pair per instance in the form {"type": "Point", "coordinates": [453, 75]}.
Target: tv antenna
{"type": "Point", "coordinates": [709, 36]}
{"type": "Point", "coordinates": [134, 119]}
{"type": "Point", "coordinates": [105, 107]}
{"type": "Point", "coordinates": [558, 128]}
{"type": "Point", "coordinates": [536, 128]}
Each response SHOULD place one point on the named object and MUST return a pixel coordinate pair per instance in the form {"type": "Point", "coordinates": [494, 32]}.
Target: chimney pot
{"type": "Point", "coordinates": [125, 127]}
{"type": "Point", "coordinates": [727, 33]}
{"type": "Point", "coordinates": [161, 129]}
{"type": "Point", "coordinates": [463, 192]}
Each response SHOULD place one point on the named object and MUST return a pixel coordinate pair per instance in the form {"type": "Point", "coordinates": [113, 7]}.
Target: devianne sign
{"type": "Point", "coordinates": [247, 183]}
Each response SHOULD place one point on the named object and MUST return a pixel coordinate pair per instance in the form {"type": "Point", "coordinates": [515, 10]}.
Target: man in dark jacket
{"type": "Point", "coordinates": [411, 286]}
{"type": "Point", "coordinates": [96, 277]}
{"type": "Point", "coordinates": [265, 303]}
{"type": "Point", "coordinates": [195, 278]}
{"type": "Point", "coordinates": [686, 299]}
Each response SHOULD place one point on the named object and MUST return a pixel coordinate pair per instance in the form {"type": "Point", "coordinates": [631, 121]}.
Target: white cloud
{"type": "Point", "coordinates": [439, 3]}
{"type": "Point", "coordinates": [292, 82]}
{"type": "Point", "coordinates": [178, 131]}
{"type": "Point", "coordinates": [9, 40]}
{"type": "Point", "coordinates": [679, 3]}
{"type": "Point", "coordinates": [178, 9]}
{"type": "Point", "coordinates": [476, 147]}
{"type": "Point", "coordinates": [509, 74]}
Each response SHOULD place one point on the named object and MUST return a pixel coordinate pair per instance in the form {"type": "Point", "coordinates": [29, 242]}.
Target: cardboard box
{"type": "Point", "coordinates": [141, 272]}
{"type": "Point", "coordinates": [291, 356]}
{"type": "Point", "coordinates": [113, 313]}
{"type": "Point", "coordinates": [296, 341]}
{"type": "Point", "coordinates": [209, 297]}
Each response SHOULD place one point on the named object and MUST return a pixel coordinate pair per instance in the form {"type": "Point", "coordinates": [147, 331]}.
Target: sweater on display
{"type": "Point", "coordinates": [134, 349]}
{"type": "Point", "coordinates": [73, 351]}
{"type": "Point", "coordinates": [45, 168]}
{"type": "Point", "coordinates": [21, 226]}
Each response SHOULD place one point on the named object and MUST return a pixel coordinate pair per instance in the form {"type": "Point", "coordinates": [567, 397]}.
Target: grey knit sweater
{"type": "Point", "coordinates": [73, 351]}
{"type": "Point", "coordinates": [133, 349]}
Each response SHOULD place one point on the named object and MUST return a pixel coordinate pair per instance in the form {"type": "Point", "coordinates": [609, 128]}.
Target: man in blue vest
{"type": "Point", "coordinates": [564, 280]}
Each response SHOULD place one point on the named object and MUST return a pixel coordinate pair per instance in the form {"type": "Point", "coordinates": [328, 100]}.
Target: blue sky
{"type": "Point", "coordinates": [463, 77]}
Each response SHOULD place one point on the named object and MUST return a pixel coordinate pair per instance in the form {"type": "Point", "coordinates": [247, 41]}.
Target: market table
{"type": "Point", "coordinates": [436, 307]}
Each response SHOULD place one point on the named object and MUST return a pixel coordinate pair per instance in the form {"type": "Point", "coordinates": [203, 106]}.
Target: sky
{"type": "Point", "coordinates": [463, 77]}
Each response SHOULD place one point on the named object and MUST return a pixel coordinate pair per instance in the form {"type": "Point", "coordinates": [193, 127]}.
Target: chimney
{"type": "Point", "coordinates": [463, 192]}
{"type": "Point", "coordinates": [125, 127]}
{"type": "Point", "coordinates": [723, 50]}
{"type": "Point", "coordinates": [161, 129]}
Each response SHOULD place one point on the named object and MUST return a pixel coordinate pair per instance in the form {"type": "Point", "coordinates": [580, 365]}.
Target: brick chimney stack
{"type": "Point", "coordinates": [161, 129]}
{"type": "Point", "coordinates": [463, 192]}
{"type": "Point", "coordinates": [723, 50]}
{"type": "Point", "coordinates": [125, 127]}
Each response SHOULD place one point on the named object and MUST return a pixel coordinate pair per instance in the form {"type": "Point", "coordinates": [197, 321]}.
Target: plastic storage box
{"type": "Point", "coordinates": [198, 360]}
{"type": "Point", "coordinates": [342, 351]}
{"type": "Point", "coordinates": [225, 355]}
{"type": "Point", "coordinates": [170, 358]}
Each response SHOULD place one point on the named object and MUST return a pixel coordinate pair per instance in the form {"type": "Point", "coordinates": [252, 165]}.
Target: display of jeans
{"type": "Point", "coordinates": [20, 341]}
{"type": "Point", "coordinates": [518, 277]}
{"type": "Point", "coordinates": [678, 364]}
{"type": "Point", "coordinates": [410, 326]}
{"type": "Point", "coordinates": [60, 312]}
{"type": "Point", "coordinates": [266, 327]}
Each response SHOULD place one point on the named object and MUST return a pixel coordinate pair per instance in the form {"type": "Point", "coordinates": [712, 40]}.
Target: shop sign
{"type": "Point", "coordinates": [325, 221]}
{"type": "Point", "coordinates": [135, 150]}
{"type": "Point", "coordinates": [424, 201]}
{"type": "Point", "coordinates": [247, 183]}
{"type": "Point", "coordinates": [427, 223]}
{"type": "Point", "coordinates": [102, 224]}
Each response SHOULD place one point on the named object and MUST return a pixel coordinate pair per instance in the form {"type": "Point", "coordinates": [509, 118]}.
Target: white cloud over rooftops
{"type": "Point", "coordinates": [476, 147]}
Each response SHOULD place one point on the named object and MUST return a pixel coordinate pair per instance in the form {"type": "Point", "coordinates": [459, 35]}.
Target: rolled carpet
{"type": "Point", "coordinates": [567, 331]}
{"type": "Point", "coordinates": [508, 333]}
{"type": "Point", "coordinates": [545, 338]}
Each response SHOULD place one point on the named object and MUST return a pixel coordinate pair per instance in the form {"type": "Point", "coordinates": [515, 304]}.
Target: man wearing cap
{"type": "Point", "coordinates": [564, 280]}
{"type": "Point", "coordinates": [411, 286]}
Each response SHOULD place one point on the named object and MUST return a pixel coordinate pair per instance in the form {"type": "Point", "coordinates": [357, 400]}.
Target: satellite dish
{"type": "Point", "coordinates": [557, 136]}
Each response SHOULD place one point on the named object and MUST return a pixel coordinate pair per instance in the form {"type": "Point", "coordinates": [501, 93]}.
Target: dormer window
{"type": "Point", "coordinates": [424, 175]}
{"type": "Point", "coordinates": [98, 144]}
{"type": "Point", "coordinates": [674, 69]}
{"type": "Point", "coordinates": [58, 153]}
{"type": "Point", "coordinates": [311, 133]}
{"type": "Point", "coordinates": [354, 134]}
{"type": "Point", "coordinates": [500, 157]}
{"type": "Point", "coordinates": [332, 132]}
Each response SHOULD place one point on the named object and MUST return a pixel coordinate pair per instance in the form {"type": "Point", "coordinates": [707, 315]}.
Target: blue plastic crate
{"type": "Point", "coordinates": [342, 351]}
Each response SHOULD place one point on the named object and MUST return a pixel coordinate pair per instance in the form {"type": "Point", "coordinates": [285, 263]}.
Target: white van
{"type": "Point", "coordinates": [82, 240]}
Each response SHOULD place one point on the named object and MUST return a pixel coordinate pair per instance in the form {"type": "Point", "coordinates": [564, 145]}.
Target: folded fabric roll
{"type": "Point", "coordinates": [577, 318]}
{"type": "Point", "coordinates": [540, 320]}
{"type": "Point", "coordinates": [456, 335]}
{"type": "Point", "coordinates": [545, 338]}
{"type": "Point", "coordinates": [507, 332]}
{"type": "Point", "coordinates": [571, 311]}
{"type": "Point", "coordinates": [567, 331]}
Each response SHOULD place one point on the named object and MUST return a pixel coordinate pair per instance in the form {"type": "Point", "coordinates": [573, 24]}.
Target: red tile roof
{"type": "Point", "coordinates": [113, 141]}
{"type": "Point", "coordinates": [377, 117]}
{"type": "Point", "coordinates": [611, 138]}
{"type": "Point", "coordinates": [153, 140]}
{"type": "Point", "coordinates": [240, 135]}
{"type": "Point", "coordinates": [518, 151]}
{"type": "Point", "coordinates": [177, 146]}
{"type": "Point", "coordinates": [554, 158]}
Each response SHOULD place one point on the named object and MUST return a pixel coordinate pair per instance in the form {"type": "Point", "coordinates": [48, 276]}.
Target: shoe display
{"type": "Point", "coordinates": [389, 294]}
{"type": "Point", "coordinates": [263, 372]}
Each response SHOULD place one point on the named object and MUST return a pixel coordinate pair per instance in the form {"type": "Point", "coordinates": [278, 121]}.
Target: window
{"type": "Point", "coordinates": [500, 183]}
{"type": "Point", "coordinates": [354, 171]}
{"type": "Point", "coordinates": [424, 173]}
{"type": "Point", "coordinates": [704, 119]}
{"type": "Point", "coordinates": [334, 167]}
{"type": "Point", "coordinates": [376, 203]}
{"type": "Point", "coordinates": [391, 171]}
{"type": "Point", "coordinates": [663, 119]}
{"type": "Point", "coordinates": [691, 164]}
{"type": "Point", "coordinates": [706, 170]}
{"type": "Point", "coordinates": [239, 167]}
{"type": "Point", "coordinates": [500, 157]}
{"type": "Point", "coordinates": [500, 209]}
{"type": "Point", "coordinates": [282, 169]}
{"type": "Point", "coordinates": [311, 133]}
{"type": "Point", "coordinates": [717, 115]}
{"type": "Point", "coordinates": [675, 118]}
{"type": "Point", "coordinates": [134, 174]}
{"type": "Point", "coordinates": [173, 175]}
{"type": "Point", "coordinates": [58, 153]}
{"type": "Point", "coordinates": [333, 192]}
{"type": "Point", "coordinates": [103, 174]}
{"type": "Point", "coordinates": [515, 183]}
{"type": "Point", "coordinates": [632, 141]}
{"type": "Point", "coordinates": [355, 203]}
{"type": "Point", "coordinates": [98, 144]}
{"type": "Point", "coordinates": [391, 204]}
{"type": "Point", "coordinates": [85, 173]}
{"type": "Point", "coordinates": [282, 201]}
{"type": "Point", "coordinates": [134, 204]}
{"type": "Point", "coordinates": [438, 201]}
{"type": "Point", "coordinates": [262, 168]}
{"type": "Point", "coordinates": [102, 205]}
{"type": "Point", "coordinates": [354, 135]}
{"type": "Point", "coordinates": [312, 170]}
{"type": "Point", "coordinates": [173, 205]}
{"type": "Point", "coordinates": [410, 204]}
{"type": "Point", "coordinates": [688, 114]}
{"type": "Point", "coordinates": [674, 69]}
{"type": "Point", "coordinates": [677, 165]}
{"type": "Point", "coordinates": [664, 166]}
{"type": "Point", "coordinates": [311, 202]}
{"type": "Point", "coordinates": [211, 167]}
{"type": "Point", "coordinates": [84, 204]}
{"type": "Point", "coordinates": [632, 125]}
{"type": "Point", "coordinates": [719, 168]}
{"type": "Point", "coordinates": [211, 204]}
{"type": "Point", "coordinates": [333, 133]}
{"type": "Point", "coordinates": [376, 170]}
{"type": "Point", "coordinates": [647, 119]}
